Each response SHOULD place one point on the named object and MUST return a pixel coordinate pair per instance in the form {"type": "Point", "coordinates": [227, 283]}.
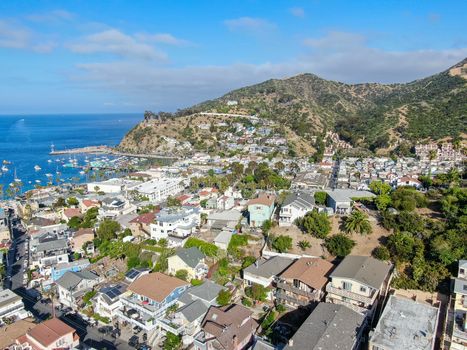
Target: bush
{"type": "Point", "coordinates": [280, 308]}
{"type": "Point", "coordinates": [316, 224]}
{"type": "Point", "coordinates": [247, 261]}
{"type": "Point", "coordinates": [236, 242]}
{"type": "Point", "coordinates": [196, 282]}
{"type": "Point", "coordinates": [208, 249]}
{"type": "Point", "coordinates": [320, 197]}
{"type": "Point", "coordinates": [224, 297]}
{"type": "Point", "coordinates": [257, 292]}
{"type": "Point", "coordinates": [246, 302]}
{"type": "Point", "coordinates": [381, 253]}
{"type": "Point", "coordinates": [339, 245]}
{"type": "Point", "coordinates": [182, 274]}
{"type": "Point", "coordinates": [282, 243]}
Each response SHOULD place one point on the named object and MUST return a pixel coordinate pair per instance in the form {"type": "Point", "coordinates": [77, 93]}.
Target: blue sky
{"type": "Point", "coordinates": [129, 56]}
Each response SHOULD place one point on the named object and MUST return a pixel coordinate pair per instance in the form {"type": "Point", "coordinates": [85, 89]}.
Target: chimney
{"type": "Point", "coordinates": [291, 342]}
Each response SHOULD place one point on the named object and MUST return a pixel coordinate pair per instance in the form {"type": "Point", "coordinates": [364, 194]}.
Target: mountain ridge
{"type": "Point", "coordinates": [368, 115]}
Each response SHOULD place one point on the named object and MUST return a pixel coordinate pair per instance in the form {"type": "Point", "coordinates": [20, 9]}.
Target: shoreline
{"type": "Point", "coordinates": [108, 150]}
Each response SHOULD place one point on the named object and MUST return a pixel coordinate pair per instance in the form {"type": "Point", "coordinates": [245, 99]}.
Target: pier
{"type": "Point", "coordinates": [109, 150]}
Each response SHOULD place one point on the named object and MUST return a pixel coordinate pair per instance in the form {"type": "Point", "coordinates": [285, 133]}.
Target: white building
{"type": "Point", "coordinates": [295, 206]}
{"type": "Point", "coordinates": [107, 301]}
{"type": "Point", "coordinates": [72, 286]}
{"type": "Point", "coordinates": [178, 222]}
{"type": "Point", "coordinates": [157, 190]}
{"type": "Point", "coordinates": [115, 185]}
{"type": "Point", "coordinates": [114, 207]}
{"type": "Point", "coordinates": [11, 307]}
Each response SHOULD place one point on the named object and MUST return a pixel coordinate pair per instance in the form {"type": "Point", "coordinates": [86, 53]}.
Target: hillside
{"type": "Point", "coordinates": [370, 115]}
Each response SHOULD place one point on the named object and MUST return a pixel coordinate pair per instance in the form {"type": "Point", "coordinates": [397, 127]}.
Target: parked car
{"type": "Point", "coordinates": [133, 341]}
{"type": "Point", "coordinates": [105, 329]}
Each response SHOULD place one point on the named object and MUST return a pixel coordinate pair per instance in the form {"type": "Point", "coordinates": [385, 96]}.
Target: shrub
{"type": "Point", "coordinates": [224, 297]}
{"type": "Point", "coordinates": [182, 274]}
{"type": "Point", "coordinates": [339, 245]}
{"type": "Point", "coordinates": [282, 243]}
{"type": "Point", "coordinates": [316, 224]}
{"type": "Point", "coordinates": [320, 197]}
{"type": "Point", "coordinates": [381, 253]}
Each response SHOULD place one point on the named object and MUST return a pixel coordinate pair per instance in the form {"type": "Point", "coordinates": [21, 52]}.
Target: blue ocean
{"type": "Point", "coordinates": [25, 142]}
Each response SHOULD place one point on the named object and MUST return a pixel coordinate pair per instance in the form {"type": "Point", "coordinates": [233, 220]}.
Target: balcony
{"type": "Point", "coordinates": [315, 295]}
{"type": "Point", "coordinates": [360, 310]}
{"type": "Point", "coordinates": [290, 299]}
{"type": "Point", "coordinates": [133, 317]}
{"type": "Point", "coordinates": [171, 325]}
{"type": "Point", "coordinates": [351, 295]}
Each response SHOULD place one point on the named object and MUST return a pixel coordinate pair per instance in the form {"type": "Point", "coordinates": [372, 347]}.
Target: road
{"type": "Point", "coordinates": [18, 253]}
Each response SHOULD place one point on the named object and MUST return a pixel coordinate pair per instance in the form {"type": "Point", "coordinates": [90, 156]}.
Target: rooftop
{"type": "Point", "coordinates": [345, 195]}
{"type": "Point", "coordinates": [264, 199]}
{"type": "Point", "coordinates": [156, 286]}
{"type": "Point", "coordinates": [312, 271]}
{"type": "Point", "coordinates": [406, 324]}
{"type": "Point", "coordinates": [190, 256]}
{"type": "Point", "coordinates": [49, 331]}
{"type": "Point", "coordinates": [363, 269]}
{"type": "Point", "coordinates": [329, 326]}
{"type": "Point", "coordinates": [269, 268]}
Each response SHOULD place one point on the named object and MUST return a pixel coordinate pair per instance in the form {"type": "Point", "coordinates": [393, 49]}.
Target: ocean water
{"type": "Point", "coordinates": [25, 141]}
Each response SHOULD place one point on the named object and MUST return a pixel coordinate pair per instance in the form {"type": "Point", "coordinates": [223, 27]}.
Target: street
{"type": "Point", "coordinates": [18, 253]}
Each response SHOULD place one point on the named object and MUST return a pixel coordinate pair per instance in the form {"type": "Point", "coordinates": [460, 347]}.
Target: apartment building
{"type": "Point", "coordinates": [459, 309]}
{"type": "Point", "coordinates": [176, 222]}
{"type": "Point", "coordinates": [11, 307]}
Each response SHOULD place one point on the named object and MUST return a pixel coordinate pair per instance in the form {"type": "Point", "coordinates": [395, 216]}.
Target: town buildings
{"type": "Point", "coordinates": [405, 324]}
{"type": "Point", "coordinates": [360, 283]}
{"type": "Point", "coordinates": [303, 282]}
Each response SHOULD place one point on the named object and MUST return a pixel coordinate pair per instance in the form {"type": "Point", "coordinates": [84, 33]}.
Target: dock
{"type": "Point", "coordinates": [109, 150]}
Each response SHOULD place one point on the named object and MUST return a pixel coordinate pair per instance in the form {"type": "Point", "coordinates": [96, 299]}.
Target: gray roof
{"type": "Point", "coordinates": [261, 344]}
{"type": "Point", "coordinates": [406, 324]}
{"type": "Point", "coordinates": [460, 286]}
{"type": "Point", "coordinates": [226, 215]}
{"type": "Point", "coordinates": [223, 237]}
{"type": "Point", "coordinates": [191, 256]}
{"type": "Point", "coordinates": [8, 297]}
{"type": "Point", "coordinates": [329, 326]}
{"type": "Point", "coordinates": [207, 291]}
{"type": "Point", "coordinates": [53, 245]}
{"type": "Point", "coordinates": [71, 279]}
{"type": "Point", "coordinates": [299, 199]}
{"type": "Point", "coordinates": [269, 268]}
{"type": "Point", "coordinates": [194, 310]}
{"type": "Point", "coordinates": [363, 269]}
{"type": "Point", "coordinates": [345, 195]}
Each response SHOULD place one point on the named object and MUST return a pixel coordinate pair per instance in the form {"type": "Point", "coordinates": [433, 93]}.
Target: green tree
{"type": "Point", "coordinates": [282, 243]}
{"type": "Point", "coordinates": [358, 222]}
{"type": "Point", "coordinates": [316, 224]}
{"type": "Point", "coordinates": [172, 341]}
{"type": "Point", "coordinates": [380, 188]}
{"type": "Point", "coordinates": [173, 202]}
{"type": "Point", "coordinates": [224, 297]}
{"type": "Point", "coordinates": [182, 274]}
{"type": "Point", "coordinates": [381, 253]}
{"type": "Point", "coordinates": [320, 197]}
{"type": "Point", "coordinates": [74, 222]}
{"type": "Point", "coordinates": [247, 261]}
{"type": "Point", "coordinates": [266, 227]}
{"type": "Point", "coordinates": [401, 246]}
{"type": "Point", "coordinates": [72, 201]}
{"type": "Point", "coordinates": [257, 292]}
{"type": "Point", "coordinates": [108, 230]}
{"type": "Point", "coordinates": [339, 245]}
{"type": "Point", "coordinates": [383, 201]}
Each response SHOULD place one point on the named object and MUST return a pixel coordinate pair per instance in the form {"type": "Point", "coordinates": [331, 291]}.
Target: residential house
{"type": "Point", "coordinates": [72, 286]}
{"type": "Point", "coordinates": [87, 204]}
{"type": "Point", "coordinates": [295, 206]}
{"type": "Point", "coordinates": [148, 298]}
{"type": "Point", "coordinates": [107, 301]}
{"type": "Point", "coordinates": [260, 209]}
{"type": "Point", "coordinates": [222, 240]}
{"type": "Point", "coordinates": [408, 181]}
{"type": "Point", "coordinates": [217, 221]}
{"type": "Point", "coordinates": [48, 250]}
{"type": "Point", "coordinates": [135, 273]}
{"type": "Point", "coordinates": [303, 282]}
{"type": "Point", "coordinates": [329, 326]}
{"type": "Point", "coordinates": [111, 186]}
{"type": "Point", "coordinates": [341, 200]}
{"type": "Point", "coordinates": [459, 309]}
{"type": "Point", "coordinates": [68, 213]}
{"type": "Point", "coordinates": [49, 335]}
{"type": "Point", "coordinates": [141, 225]}
{"type": "Point", "coordinates": [11, 307]}
{"type": "Point", "coordinates": [82, 241]}
{"type": "Point", "coordinates": [405, 324]}
{"type": "Point", "coordinates": [359, 282]}
{"type": "Point", "coordinates": [193, 305]}
{"type": "Point", "coordinates": [220, 203]}
{"type": "Point", "coordinates": [60, 269]}
{"type": "Point", "coordinates": [175, 222]}
{"type": "Point", "coordinates": [114, 207]}
{"type": "Point", "coordinates": [189, 259]}
{"type": "Point", "coordinates": [227, 328]}
{"type": "Point", "coordinates": [264, 271]}
{"type": "Point", "coordinates": [4, 230]}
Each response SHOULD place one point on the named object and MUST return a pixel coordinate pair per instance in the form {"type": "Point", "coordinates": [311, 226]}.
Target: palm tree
{"type": "Point", "coordinates": [358, 222]}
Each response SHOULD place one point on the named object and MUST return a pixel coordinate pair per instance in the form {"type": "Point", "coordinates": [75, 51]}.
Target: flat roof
{"type": "Point", "coordinates": [406, 324]}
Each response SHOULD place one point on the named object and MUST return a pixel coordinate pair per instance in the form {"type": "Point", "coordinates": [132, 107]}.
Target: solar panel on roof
{"type": "Point", "coordinates": [132, 274]}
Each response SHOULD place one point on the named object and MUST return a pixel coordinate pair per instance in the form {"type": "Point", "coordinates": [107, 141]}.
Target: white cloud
{"type": "Point", "coordinates": [162, 38]}
{"type": "Point", "coordinates": [249, 25]}
{"type": "Point", "coordinates": [52, 16]}
{"type": "Point", "coordinates": [115, 42]}
{"type": "Point", "coordinates": [297, 12]}
{"type": "Point", "coordinates": [13, 36]}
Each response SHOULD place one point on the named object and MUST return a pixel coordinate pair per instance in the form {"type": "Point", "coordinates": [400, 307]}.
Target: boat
{"type": "Point", "coordinates": [6, 162]}
{"type": "Point", "coordinates": [38, 181]}
{"type": "Point", "coordinates": [49, 160]}
{"type": "Point", "coordinates": [82, 172]}
{"type": "Point", "coordinates": [37, 167]}
{"type": "Point", "coordinates": [49, 175]}
{"type": "Point", "coordinates": [4, 168]}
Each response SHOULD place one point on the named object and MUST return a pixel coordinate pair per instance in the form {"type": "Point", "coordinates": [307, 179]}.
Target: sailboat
{"type": "Point", "coordinates": [4, 168]}
{"type": "Point", "coordinates": [37, 167]}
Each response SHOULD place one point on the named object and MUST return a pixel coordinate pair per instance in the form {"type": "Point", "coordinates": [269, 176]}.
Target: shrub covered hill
{"type": "Point", "coordinates": [371, 115]}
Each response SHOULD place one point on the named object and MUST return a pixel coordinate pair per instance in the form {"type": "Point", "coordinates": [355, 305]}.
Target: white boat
{"type": "Point", "coordinates": [82, 172]}
{"type": "Point", "coordinates": [4, 168]}
{"type": "Point", "coordinates": [37, 167]}
{"type": "Point", "coordinates": [48, 175]}
{"type": "Point", "coordinates": [49, 160]}
{"type": "Point", "coordinates": [38, 181]}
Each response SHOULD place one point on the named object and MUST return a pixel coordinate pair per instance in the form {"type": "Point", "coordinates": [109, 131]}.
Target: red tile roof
{"type": "Point", "coordinates": [48, 332]}
{"type": "Point", "coordinates": [146, 218]}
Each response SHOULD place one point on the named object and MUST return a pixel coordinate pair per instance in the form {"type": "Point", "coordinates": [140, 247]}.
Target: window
{"type": "Point", "coordinates": [347, 285]}
{"type": "Point", "coordinates": [461, 271]}
{"type": "Point", "coordinates": [363, 289]}
{"type": "Point", "coordinates": [296, 283]}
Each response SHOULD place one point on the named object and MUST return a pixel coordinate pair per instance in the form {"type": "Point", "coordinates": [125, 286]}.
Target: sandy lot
{"type": "Point", "coordinates": [364, 244]}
